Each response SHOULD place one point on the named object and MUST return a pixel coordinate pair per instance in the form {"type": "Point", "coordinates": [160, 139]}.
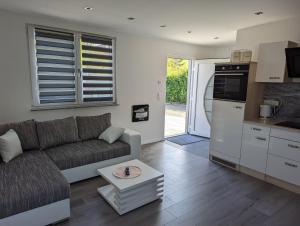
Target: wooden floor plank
{"type": "Point", "coordinates": [197, 192]}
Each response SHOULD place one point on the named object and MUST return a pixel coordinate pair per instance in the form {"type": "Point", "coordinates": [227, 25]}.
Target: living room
{"type": "Point", "coordinates": [82, 93]}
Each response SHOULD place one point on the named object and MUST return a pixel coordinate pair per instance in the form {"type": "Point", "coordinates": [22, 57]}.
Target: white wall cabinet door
{"type": "Point", "coordinates": [271, 65]}
{"type": "Point", "coordinates": [201, 95]}
{"type": "Point", "coordinates": [227, 128]}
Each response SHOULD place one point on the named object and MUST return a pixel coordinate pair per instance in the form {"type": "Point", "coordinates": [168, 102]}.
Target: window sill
{"type": "Point", "coordinates": [71, 106]}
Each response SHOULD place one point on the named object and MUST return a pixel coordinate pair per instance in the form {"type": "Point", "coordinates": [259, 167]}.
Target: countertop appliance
{"type": "Point", "coordinates": [289, 124]}
{"type": "Point", "coordinates": [293, 62]}
{"type": "Point", "coordinates": [269, 108]}
{"type": "Point", "coordinates": [266, 111]}
{"type": "Point", "coordinates": [230, 82]}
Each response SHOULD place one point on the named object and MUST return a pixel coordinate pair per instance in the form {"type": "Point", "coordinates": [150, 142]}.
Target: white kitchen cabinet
{"type": "Point", "coordinates": [287, 134]}
{"type": "Point", "coordinates": [255, 129]}
{"type": "Point", "coordinates": [254, 149]}
{"type": "Point", "coordinates": [271, 62]}
{"type": "Point", "coordinates": [226, 130]}
{"type": "Point", "coordinates": [284, 155]}
{"type": "Point", "coordinates": [271, 150]}
{"type": "Point", "coordinates": [285, 148]}
{"type": "Point", "coordinates": [283, 169]}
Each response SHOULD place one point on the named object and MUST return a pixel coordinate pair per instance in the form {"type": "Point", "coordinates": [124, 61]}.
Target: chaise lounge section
{"type": "Point", "coordinates": [28, 182]}
{"type": "Point", "coordinates": [35, 186]}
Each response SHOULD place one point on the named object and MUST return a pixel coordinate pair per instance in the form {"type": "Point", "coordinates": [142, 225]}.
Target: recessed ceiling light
{"type": "Point", "coordinates": [88, 8]}
{"type": "Point", "coordinates": [258, 13]}
{"type": "Point", "coordinates": [163, 26]}
{"type": "Point", "coordinates": [189, 32]}
{"type": "Point", "coordinates": [216, 38]}
{"type": "Point", "coordinates": [131, 18]}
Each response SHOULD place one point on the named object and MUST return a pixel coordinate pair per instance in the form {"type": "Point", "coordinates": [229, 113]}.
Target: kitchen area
{"type": "Point", "coordinates": [255, 126]}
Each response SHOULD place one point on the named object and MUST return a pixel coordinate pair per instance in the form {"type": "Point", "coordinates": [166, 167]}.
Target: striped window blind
{"type": "Point", "coordinates": [55, 66]}
{"type": "Point", "coordinates": [97, 69]}
{"type": "Point", "coordinates": [71, 68]}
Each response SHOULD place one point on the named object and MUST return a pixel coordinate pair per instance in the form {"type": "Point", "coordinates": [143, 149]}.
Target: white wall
{"type": "Point", "coordinates": [222, 51]}
{"type": "Point", "coordinates": [141, 63]}
{"type": "Point", "coordinates": [250, 38]}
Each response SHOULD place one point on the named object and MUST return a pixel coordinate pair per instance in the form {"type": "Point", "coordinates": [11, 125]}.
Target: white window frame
{"type": "Point", "coordinates": [78, 71]}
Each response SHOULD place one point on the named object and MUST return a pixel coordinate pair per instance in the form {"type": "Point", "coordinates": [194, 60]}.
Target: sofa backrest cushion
{"type": "Point", "coordinates": [90, 127]}
{"type": "Point", "coordinates": [57, 132]}
{"type": "Point", "coordinates": [26, 132]}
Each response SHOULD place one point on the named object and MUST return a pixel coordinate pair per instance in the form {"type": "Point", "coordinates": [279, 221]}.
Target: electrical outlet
{"type": "Point", "coordinates": [272, 102]}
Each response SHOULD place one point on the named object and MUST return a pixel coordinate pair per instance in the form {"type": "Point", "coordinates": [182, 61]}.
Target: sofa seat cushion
{"type": "Point", "coordinates": [29, 181]}
{"type": "Point", "coordinates": [86, 152]}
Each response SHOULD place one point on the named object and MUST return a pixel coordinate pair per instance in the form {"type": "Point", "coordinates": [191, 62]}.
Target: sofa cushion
{"type": "Point", "coordinates": [57, 132]}
{"type": "Point", "coordinates": [26, 131]}
{"type": "Point", "coordinates": [90, 127]}
{"type": "Point", "coordinates": [29, 181]}
{"type": "Point", "coordinates": [86, 152]}
{"type": "Point", "coordinates": [10, 146]}
{"type": "Point", "coordinates": [111, 134]}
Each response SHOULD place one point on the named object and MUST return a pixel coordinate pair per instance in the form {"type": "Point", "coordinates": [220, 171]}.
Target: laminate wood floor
{"type": "Point", "coordinates": [197, 192]}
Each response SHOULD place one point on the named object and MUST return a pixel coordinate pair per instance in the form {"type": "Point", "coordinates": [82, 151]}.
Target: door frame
{"type": "Point", "coordinates": [187, 107]}
{"type": "Point", "coordinates": [189, 86]}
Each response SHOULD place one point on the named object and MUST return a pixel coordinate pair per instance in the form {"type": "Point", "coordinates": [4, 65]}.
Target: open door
{"type": "Point", "coordinates": [201, 96]}
{"type": "Point", "coordinates": [177, 78]}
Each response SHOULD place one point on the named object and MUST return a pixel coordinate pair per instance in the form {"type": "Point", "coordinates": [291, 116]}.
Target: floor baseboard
{"type": "Point", "coordinates": [154, 140]}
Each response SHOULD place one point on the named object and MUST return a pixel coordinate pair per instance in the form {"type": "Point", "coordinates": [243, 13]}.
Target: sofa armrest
{"type": "Point", "coordinates": [133, 138]}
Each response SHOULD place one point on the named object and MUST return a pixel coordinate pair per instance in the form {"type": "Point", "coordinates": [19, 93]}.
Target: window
{"type": "Point", "coordinates": [71, 69]}
{"type": "Point", "coordinates": [97, 69]}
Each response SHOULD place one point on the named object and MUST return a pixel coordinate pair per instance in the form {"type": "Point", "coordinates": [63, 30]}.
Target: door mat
{"type": "Point", "coordinates": [185, 139]}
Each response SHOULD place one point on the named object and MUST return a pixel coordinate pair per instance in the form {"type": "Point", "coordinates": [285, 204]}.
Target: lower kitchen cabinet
{"type": "Point", "coordinates": [284, 159]}
{"type": "Point", "coordinates": [285, 148]}
{"type": "Point", "coordinates": [271, 153]}
{"type": "Point", "coordinates": [277, 157]}
{"type": "Point", "coordinates": [283, 169]}
{"type": "Point", "coordinates": [254, 152]}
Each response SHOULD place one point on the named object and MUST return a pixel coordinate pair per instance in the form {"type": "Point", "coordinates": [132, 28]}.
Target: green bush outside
{"type": "Point", "coordinates": [177, 78]}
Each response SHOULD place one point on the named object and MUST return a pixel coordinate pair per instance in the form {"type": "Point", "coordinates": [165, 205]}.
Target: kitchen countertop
{"type": "Point", "coordinates": [263, 122]}
{"type": "Point", "coordinates": [271, 123]}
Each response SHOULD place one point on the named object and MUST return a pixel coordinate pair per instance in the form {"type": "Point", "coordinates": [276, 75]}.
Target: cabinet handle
{"type": "Point", "coordinates": [261, 138]}
{"type": "Point", "coordinates": [238, 107]}
{"type": "Point", "coordinates": [274, 77]}
{"type": "Point", "coordinates": [293, 146]}
{"type": "Point", "coordinates": [291, 165]}
{"type": "Point", "coordinates": [256, 129]}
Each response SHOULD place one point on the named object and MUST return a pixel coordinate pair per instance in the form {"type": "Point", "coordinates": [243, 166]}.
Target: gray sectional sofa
{"type": "Point", "coordinates": [34, 186]}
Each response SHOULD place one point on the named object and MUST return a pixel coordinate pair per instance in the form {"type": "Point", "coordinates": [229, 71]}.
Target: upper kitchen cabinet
{"type": "Point", "coordinates": [271, 65]}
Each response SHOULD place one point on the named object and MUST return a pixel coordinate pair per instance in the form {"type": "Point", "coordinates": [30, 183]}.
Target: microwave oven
{"type": "Point", "coordinates": [293, 62]}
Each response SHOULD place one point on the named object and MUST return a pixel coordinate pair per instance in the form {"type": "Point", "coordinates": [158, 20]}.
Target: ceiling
{"type": "Point", "coordinates": [206, 19]}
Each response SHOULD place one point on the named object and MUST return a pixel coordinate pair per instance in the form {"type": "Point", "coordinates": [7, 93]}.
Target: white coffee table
{"type": "Point", "coordinates": [125, 195]}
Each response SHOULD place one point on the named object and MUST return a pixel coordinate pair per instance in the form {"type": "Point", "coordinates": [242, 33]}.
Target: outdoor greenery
{"type": "Point", "coordinates": [177, 77]}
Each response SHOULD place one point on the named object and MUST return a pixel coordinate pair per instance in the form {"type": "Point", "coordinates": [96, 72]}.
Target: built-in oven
{"type": "Point", "coordinates": [230, 82]}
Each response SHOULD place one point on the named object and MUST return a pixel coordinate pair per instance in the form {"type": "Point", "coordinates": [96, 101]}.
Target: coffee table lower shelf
{"type": "Point", "coordinates": [123, 202]}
